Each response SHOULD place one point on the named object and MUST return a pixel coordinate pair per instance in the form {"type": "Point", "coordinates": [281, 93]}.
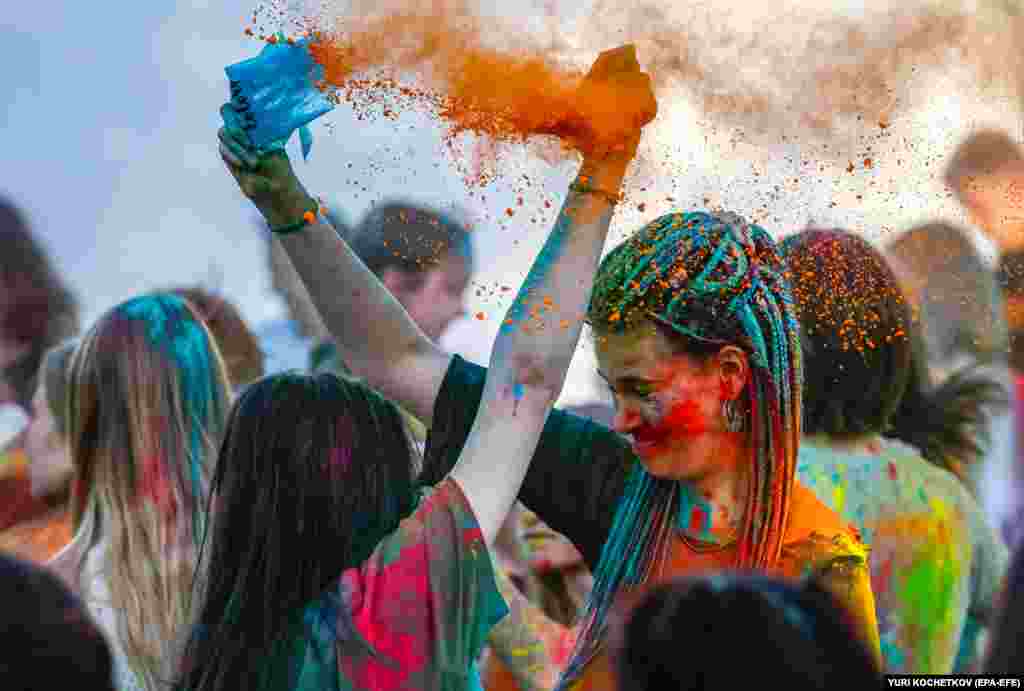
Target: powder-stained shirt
{"type": "Point", "coordinates": [936, 563]}
{"type": "Point", "coordinates": [578, 475]}
{"type": "Point", "coordinates": [424, 602]}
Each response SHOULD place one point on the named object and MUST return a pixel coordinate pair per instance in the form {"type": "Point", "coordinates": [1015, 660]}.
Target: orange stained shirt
{"type": "Point", "coordinates": [817, 544]}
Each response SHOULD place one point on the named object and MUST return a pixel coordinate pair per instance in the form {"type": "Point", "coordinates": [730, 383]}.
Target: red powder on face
{"type": "Point", "coordinates": [696, 520]}
{"type": "Point", "coordinates": [684, 419]}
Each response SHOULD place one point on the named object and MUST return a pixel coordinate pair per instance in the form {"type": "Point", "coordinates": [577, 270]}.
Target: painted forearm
{"type": "Point", "coordinates": [545, 320]}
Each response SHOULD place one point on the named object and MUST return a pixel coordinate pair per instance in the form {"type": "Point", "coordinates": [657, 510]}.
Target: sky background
{"type": "Point", "coordinates": [109, 137]}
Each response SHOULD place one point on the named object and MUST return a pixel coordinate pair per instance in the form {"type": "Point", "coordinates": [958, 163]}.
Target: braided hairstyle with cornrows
{"type": "Point", "coordinates": [708, 281]}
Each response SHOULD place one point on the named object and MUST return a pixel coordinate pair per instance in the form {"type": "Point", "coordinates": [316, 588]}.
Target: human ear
{"type": "Point", "coordinates": [733, 371]}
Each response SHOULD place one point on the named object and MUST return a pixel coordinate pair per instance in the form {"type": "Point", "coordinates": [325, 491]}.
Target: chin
{"type": "Point", "coordinates": [663, 465]}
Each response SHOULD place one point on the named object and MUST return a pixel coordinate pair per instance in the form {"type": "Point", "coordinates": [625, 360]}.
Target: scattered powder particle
{"type": "Point", "coordinates": [481, 316]}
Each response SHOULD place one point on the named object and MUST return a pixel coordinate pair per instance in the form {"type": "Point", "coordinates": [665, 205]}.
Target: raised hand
{"type": "Point", "coordinates": [265, 177]}
{"type": "Point", "coordinates": [616, 100]}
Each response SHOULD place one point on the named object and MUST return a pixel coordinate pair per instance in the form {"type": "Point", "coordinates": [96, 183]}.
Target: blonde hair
{"type": "Point", "coordinates": [148, 402]}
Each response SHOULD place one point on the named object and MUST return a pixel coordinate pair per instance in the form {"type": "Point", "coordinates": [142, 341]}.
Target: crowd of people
{"type": "Point", "coordinates": [808, 469]}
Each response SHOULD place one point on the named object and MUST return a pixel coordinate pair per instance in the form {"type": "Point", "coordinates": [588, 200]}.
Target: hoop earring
{"type": "Point", "coordinates": [732, 415]}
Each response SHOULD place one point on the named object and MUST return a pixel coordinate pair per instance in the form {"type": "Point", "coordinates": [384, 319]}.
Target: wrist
{"type": "Point", "coordinates": [287, 208]}
{"type": "Point", "coordinates": [606, 173]}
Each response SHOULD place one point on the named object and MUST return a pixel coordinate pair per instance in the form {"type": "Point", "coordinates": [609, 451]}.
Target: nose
{"type": "Point", "coordinates": [626, 419]}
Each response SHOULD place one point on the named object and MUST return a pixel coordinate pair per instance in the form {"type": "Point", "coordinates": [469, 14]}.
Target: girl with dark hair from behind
{"type": "Point", "coordinates": [935, 561]}
{"type": "Point", "coordinates": [795, 636]}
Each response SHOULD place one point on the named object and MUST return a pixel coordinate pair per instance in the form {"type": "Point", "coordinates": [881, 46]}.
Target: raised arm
{"type": "Point", "coordinates": [376, 336]}
{"type": "Point", "coordinates": [542, 327]}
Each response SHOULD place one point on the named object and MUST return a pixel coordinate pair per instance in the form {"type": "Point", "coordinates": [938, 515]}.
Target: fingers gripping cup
{"type": "Point", "coordinates": [275, 93]}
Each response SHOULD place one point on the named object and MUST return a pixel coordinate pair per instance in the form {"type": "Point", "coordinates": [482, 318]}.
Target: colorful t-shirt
{"type": "Point", "coordinates": [578, 475]}
{"type": "Point", "coordinates": [935, 561]}
{"type": "Point", "coordinates": [423, 602]}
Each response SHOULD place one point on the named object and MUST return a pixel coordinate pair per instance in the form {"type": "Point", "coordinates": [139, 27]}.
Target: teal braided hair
{"type": "Point", "coordinates": [711, 280]}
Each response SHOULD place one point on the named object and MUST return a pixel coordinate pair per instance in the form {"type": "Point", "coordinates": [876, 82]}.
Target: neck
{"type": "Point", "coordinates": [712, 506]}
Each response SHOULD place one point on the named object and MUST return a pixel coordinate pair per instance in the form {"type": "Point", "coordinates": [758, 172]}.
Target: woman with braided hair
{"type": "Point", "coordinates": [696, 337]}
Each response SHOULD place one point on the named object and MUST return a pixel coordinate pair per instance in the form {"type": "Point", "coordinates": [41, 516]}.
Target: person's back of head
{"type": "Point", "coordinates": [46, 637]}
{"type": "Point", "coordinates": [855, 324]}
{"type": "Point", "coordinates": [864, 356]}
{"type": "Point", "coordinates": [314, 471]}
{"type": "Point", "coordinates": [953, 290]}
{"type": "Point", "coordinates": [706, 633]}
{"type": "Point", "coordinates": [37, 310]}
{"type": "Point", "coordinates": [148, 402]}
{"type": "Point", "coordinates": [236, 342]}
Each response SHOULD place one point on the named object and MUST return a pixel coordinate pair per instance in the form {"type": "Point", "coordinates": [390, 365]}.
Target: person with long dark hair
{"type": "Point", "coordinates": [326, 568]}
{"type": "Point", "coordinates": [935, 560]}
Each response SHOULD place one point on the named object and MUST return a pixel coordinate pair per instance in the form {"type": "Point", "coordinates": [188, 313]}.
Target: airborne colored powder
{"type": "Point", "coordinates": [804, 66]}
{"type": "Point", "coordinates": [507, 95]}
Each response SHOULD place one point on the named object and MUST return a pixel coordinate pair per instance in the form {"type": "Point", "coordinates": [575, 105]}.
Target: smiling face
{"type": "Point", "coordinates": [671, 403]}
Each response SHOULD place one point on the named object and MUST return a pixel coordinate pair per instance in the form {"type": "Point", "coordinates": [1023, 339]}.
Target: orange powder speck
{"type": "Point", "coordinates": [641, 207]}
{"type": "Point", "coordinates": [548, 301]}
{"type": "Point", "coordinates": [309, 217]}
{"type": "Point", "coordinates": [564, 323]}
{"type": "Point", "coordinates": [481, 316]}
{"type": "Point", "coordinates": [248, 31]}
{"type": "Point", "coordinates": [272, 39]}
{"type": "Point", "coordinates": [510, 212]}
{"type": "Point", "coordinates": [868, 163]}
